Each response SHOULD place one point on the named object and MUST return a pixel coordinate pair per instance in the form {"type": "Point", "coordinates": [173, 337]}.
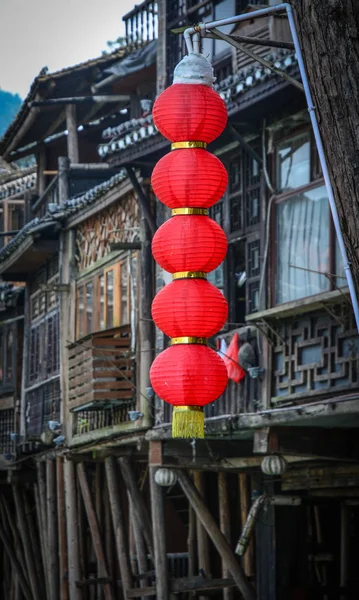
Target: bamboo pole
{"type": "Point", "coordinates": [72, 531]}
{"type": "Point", "coordinates": [118, 525]}
{"type": "Point", "coordinates": [33, 536]}
{"type": "Point", "coordinates": [98, 494]}
{"type": "Point", "coordinates": [202, 537]}
{"type": "Point", "coordinates": [43, 538]}
{"type": "Point", "coordinates": [142, 564]}
{"type": "Point", "coordinates": [225, 525]}
{"type": "Point", "coordinates": [216, 536]}
{"type": "Point", "coordinates": [248, 558]}
{"type": "Point", "coordinates": [52, 546]}
{"type": "Point", "coordinates": [159, 538]}
{"type": "Point", "coordinates": [61, 512]}
{"type": "Point", "coordinates": [94, 528]}
{"type": "Point", "coordinates": [83, 545]}
{"type": "Point", "coordinates": [15, 534]}
{"type": "Point", "coordinates": [29, 555]}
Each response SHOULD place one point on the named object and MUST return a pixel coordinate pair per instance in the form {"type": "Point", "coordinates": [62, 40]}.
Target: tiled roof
{"type": "Point", "coordinates": [135, 131]}
{"type": "Point", "coordinates": [16, 182]}
{"type": "Point", "coordinates": [60, 213]}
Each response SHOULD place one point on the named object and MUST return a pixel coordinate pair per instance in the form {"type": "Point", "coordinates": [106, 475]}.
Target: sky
{"type": "Point", "coordinates": [56, 34]}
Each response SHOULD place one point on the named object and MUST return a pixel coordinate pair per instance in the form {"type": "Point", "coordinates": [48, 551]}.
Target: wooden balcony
{"type": "Point", "coordinates": [141, 23]}
{"type": "Point", "coordinates": [101, 374]}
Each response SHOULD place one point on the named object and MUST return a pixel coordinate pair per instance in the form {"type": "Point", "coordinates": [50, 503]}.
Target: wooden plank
{"type": "Point", "coordinates": [26, 542]}
{"type": "Point", "coordinates": [118, 525]}
{"type": "Point", "coordinates": [72, 530]}
{"type": "Point", "coordinates": [202, 537]}
{"type": "Point", "coordinates": [118, 395]}
{"type": "Point", "coordinates": [62, 535]}
{"type": "Point", "coordinates": [112, 385]}
{"type": "Point", "coordinates": [138, 501]}
{"type": "Point", "coordinates": [185, 584]}
{"type": "Point", "coordinates": [52, 533]}
{"type": "Point", "coordinates": [94, 528]}
{"type": "Point", "coordinates": [159, 537]}
{"type": "Point", "coordinates": [224, 523]}
{"type": "Point", "coordinates": [216, 536]}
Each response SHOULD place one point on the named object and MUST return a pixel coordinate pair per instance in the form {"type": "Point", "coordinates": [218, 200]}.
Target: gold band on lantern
{"type": "Point", "coordinates": [190, 211]}
{"type": "Point", "coordinates": [181, 145]}
{"type": "Point", "coordinates": [188, 340]}
{"type": "Point", "coordinates": [189, 275]}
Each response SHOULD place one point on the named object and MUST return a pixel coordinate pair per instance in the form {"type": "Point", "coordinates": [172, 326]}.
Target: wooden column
{"type": "Point", "coordinates": [26, 542]}
{"type": "Point", "coordinates": [41, 167]}
{"type": "Point", "coordinates": [72, 531]}
{"type": "Point", "coordinates": [139, 505]}
{"type": "Point", "coordinates": [118, 525]}
{"type": "Point", "coordinates": [202, 537]}
{"type": "Point", "coordinates": [225, 524]}
{"type": "Point", "coordinates": [62, 536]}
{"type": "Point", "coordinates": [139, 545]}
{"type": "Point", "coordinates": [52, 533]}
{"type": "Point", "coordinates": [159, 537]}
{"type": "Point", "coordinates": [43, 537]}
{"type": "Point", "coordinates": [72, 136]}
{"type": "Point", "coordinates": [33, 532]}
{"type": "Point", "coordinates": [94, 528]}
{"type": "Point", "coordinates": [216, 536]}
{"type": "Point", "coordinates": [99, 500]}
{"type": "Point", "coordinates": [248, 558]}
{"type": "Point", "coordinates": [16, 565]}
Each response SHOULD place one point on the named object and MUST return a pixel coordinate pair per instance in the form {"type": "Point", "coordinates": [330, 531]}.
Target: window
{"type": "Point", "coordinates": [103, 301]}
{"type": "Point", "coordinates": [307, 262]}
{"type": "Point", "coordinates": [8, 355]}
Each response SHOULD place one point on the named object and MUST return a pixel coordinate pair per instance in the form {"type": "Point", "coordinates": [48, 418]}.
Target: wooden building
{"type": "Point", "coordinates": [97, 500]}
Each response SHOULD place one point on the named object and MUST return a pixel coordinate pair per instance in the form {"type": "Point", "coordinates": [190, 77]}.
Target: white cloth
{"type": "Point", "coordinates": [194, 68]}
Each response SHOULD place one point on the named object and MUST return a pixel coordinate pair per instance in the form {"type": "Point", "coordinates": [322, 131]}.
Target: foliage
{"type": "Point", "coordinates": [114, 45]}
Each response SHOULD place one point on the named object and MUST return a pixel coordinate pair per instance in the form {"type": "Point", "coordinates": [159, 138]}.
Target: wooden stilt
{"type": "Point", "coordinates": [98, 495]}
{"type": "Point", "coordinates": [52, 545]}
{"type": "Point", "coordinates": [41, 496]}
{"type": "Point", "coordinates": [139, 505]}
{"type": "Point", "coordinates": [109, 540]}
{"type": "Point", "coordinates": [248, 558]}
{"type": "Point", "coordinates": [225, 525]}
{"type": "Point", "coordinates": [202, 537]}
{"type": "Point", "coordinates": [87, 592]}
{"type": "Point", "coordinates": [28, 551]}
{"type": "Point", "coordinates": [33, 536]}
{"type": "Point", "coordinates": [216, 536]}
{"type": "Point", "coordinates": [72, 531]}
{"type": "Point", "coordinates": [142, 563]}
{"type": "Point", "coordinates": [191, 545]}
{"type": "Point", "coordinates": [133, 560]}
{"type": "Point", "coordinates": [118, 525]}
{"type": "Point", "coordinates": [159, 538]}
{"type": "Point", "coordinates": [43, 538]}
{"type": "Point", "coordinates": [61, 513]}
{"type": "Point", "coordinates": [8, 517]}
{"type": "Point", "coordinates": [94, 528]}
{"type": "Point", "coordinates": [16, 566]}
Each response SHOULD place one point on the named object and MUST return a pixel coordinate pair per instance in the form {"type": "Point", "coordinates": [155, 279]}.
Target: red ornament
{"type": "Point", "coordinates": [190, 307]}
{"type": "Point", "coordinates": [234, 369]}
{"type": "Point", "coordinates": [191, 177]}
{"type": "Point", "coordinates": [189, 243]}
{"type": "Point", "coordinates": [185, 112]}
{"type": "Point", "coordinates": [188, 375]}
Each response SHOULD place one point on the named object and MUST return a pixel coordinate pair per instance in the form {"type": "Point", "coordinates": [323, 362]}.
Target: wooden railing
{"type": "Point", "coordinates": [141, 23]}
{"type": "Point", "coordinates": [101, 377]}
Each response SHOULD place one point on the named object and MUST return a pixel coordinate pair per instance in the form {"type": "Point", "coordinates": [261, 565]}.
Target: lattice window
{"type": "Point", "coordinates": [34, 354]}
{"type": "Point", "coordinates": [216, 212]}
{"type": "Point", "coordinates": [253, 260]}
{"type": "Point", "coordinates": [42, 405]}
{"type": "Point", "coordinates": [7, 424]}
{"type": "Point", "coordinates": [53, 346]}
{"type": "Point", "coordinates": [235, 211]}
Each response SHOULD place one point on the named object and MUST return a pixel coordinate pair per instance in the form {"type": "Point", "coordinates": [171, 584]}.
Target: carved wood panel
{"type": "Point", "coordinates": [116, 223]}
{"type": "Point", "coordinates": [320, 355]}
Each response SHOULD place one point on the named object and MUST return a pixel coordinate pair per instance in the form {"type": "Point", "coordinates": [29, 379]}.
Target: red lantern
{"type": "Point", "coordinates": [189, 243]}
{"type": "Point", "coordinates": [187, 112]}
{"type": "Point", "coordinates": [189, 376]}
{"type": "Point", "coordinates": [190, 307]}
{"type": "Point", "coordinates": [191, 177]}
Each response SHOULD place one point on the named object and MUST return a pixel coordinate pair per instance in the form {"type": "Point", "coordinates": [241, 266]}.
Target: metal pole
{"type": "Point", "coordinates": [266, 12]}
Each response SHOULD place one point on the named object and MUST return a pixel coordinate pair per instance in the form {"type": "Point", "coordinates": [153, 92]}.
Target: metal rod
{"type": "Point", "coordinates": [311, 108]}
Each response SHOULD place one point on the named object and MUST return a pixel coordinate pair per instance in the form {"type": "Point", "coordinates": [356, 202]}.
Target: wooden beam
{"type": "Point", "coordinates": [159, 537]}
{"type": "Point", "coordinates": [61, 513]}
{"type": "Point", "coordinates": [72, 137]}
{"type": "Point", "coordinates": [118, 525]}
{"type": "Point", "coordinates": [72, 530]}
{"type": "Point", "coordinates": [142, 199]}
{"type": "Point", "coordinates": [185, 584]}
{"type": "Point", "coordinates": [216, 536]}
{"type": "Point", "coordinates": [26, 542]}
{"type": "Point", "coordinates": [52, 546]}
{"type": "Point", "coordinates": [139, 505]}
{"type": "Point", "coordinates": [94, 528]}
{"type": "Point", "coordinates": [204, 563]}
{"type": "Point", "coordinates": [225, 524]}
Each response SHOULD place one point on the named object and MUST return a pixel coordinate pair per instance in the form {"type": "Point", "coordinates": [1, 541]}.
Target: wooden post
{"type": "Point", "coordinates": [191, 545]}
{"type": "Point", "coordinates": [72, 137]}
{"type": "Point", "coordinates": [28, 551]}
{"type": "Point", "coordinates": [225, 524]}
{"type": "Point", "coordinates": [61, 513]}
{"type": "Point", "coordinates": [98, 493]}
{"type": "Point", "coordinates": [52, 546]}
{"type": "Point", "coordinates": [94, 528]}
{"type": "Point", "coordinates": [83, 544]}
{"type": "Point", "coordinates": [216, 536]}
{"type": "Point", "coordinates": [43, 538]}
{"type": "Point", "coordinates": [41, 167]}
{"type": "Point", "coordinates": [133, 554]}
{"type": "Point", "coordinates": [248, 562]}
{"type": "Point", "coordinates": [202, 537]}
{"type": "Point", "coordinates": [159, 538]}
{"type": "Point", "coordinates": [72, 531]}
{"type": "Point", "coordinates": [118, 525]}
{"type": "Point", "coordinates": [139, 505]}
{"type": "Point", "coordinates": [33, 536]}
{"type": "Point", "coordinates": [140, 547]}
{"type": "Point", "coordinates": [16, 565]}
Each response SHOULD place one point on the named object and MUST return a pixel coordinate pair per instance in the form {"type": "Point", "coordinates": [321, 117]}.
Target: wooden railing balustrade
{"type": "Point", "coordinates": [141, 23]}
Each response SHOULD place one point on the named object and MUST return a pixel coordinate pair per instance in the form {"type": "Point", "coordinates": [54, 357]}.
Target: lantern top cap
{"type": "Point", "coordinates": [194, 68]}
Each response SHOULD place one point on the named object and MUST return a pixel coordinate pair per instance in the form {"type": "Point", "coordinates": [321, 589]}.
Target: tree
{"type": "Point", "coordinates": [328, 32]}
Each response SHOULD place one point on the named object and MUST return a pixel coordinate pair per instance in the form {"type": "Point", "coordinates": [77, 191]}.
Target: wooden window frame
{"type": "Point", "coordinates": [6, 329]}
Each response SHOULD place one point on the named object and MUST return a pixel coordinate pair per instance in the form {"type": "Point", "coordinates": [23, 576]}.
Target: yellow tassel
{"type": "Point", "coordinates": [188, 422]}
